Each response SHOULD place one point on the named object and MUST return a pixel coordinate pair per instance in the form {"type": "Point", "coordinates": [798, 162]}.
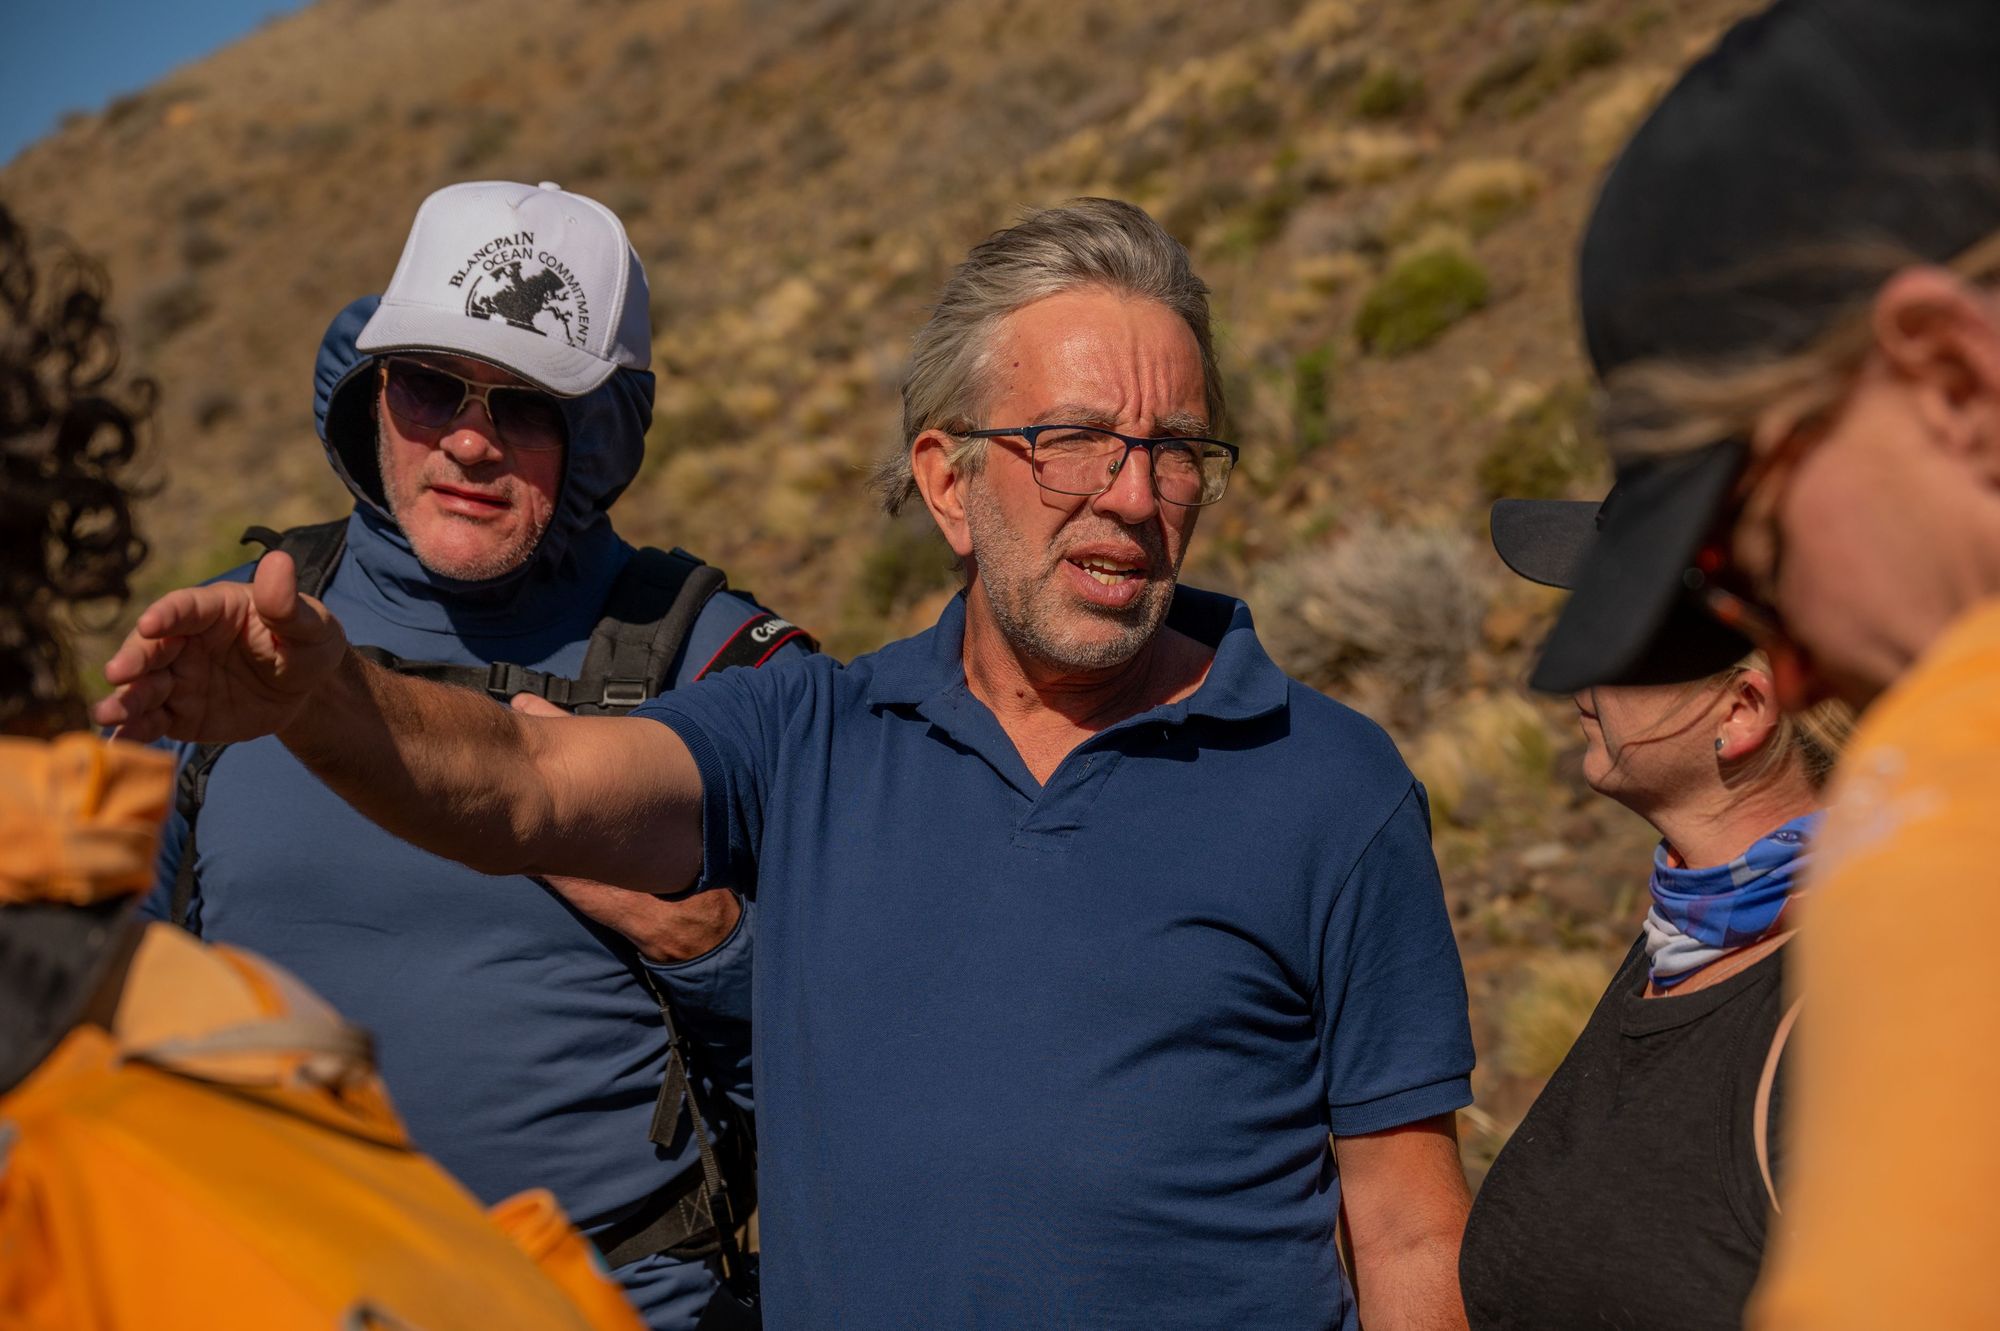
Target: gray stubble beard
{"type": "Point", "coordinates": [496, 565]}
{"type": "Point", "coordinates": [1024, 619]}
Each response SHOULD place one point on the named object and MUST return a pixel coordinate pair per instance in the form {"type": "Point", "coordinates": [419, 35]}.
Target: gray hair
{"type": "Point", "coordinates": [1083, 243]}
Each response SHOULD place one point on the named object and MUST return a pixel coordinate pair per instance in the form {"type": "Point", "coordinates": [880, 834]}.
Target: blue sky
{"type": "Point", "coordinates": [76, 55]}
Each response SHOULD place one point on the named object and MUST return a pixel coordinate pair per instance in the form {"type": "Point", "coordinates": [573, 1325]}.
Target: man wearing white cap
{"type": "Point", "coordinates": [485, 413]}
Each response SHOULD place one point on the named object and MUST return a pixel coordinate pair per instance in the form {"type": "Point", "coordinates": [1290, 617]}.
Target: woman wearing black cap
{"type": "Point", "coordinates": [1797, 255]}
{"type": "Point", "coordinates": [1636, 1191]}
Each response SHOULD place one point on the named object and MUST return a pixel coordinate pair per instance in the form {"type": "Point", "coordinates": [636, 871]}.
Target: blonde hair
{"type": "Point", "coordinates": [1813, 738]}
{"type": "Point", "coordinates": [1666, 406]}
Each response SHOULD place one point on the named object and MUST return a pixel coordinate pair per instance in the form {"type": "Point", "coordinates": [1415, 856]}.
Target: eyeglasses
{"type": "Point", "coordinates": [430, 398]}
{"type": "Point", "coordinates": [1750, 615]}
{"type": "Point", "coordinates": [1749, 606]}
{"type": "Point", "coordinates": [1084, 460]}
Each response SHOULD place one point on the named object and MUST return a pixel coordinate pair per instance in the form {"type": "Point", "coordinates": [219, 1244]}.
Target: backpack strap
{"type": "Point", "coordinates": [652, 608]}
{"type": "Point", "coordinates": [1760, 1114]}
{"type": "Point", "coordinates": [697, 1214]}
{"type": "Point", "coordinates": [315, 550]}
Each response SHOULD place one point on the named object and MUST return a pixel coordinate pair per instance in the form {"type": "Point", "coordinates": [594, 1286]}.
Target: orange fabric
{"type": "Point", "coordinates": [79, 818]}
{"type": "Point", "coordinates": [135, 1197]}
{"type": "Point", "coordinates": [536, 1223]}
{"type": "Point", "coordinates": [1890, 1181]}
{"type": "Point", "coordinates": [225, 1157]}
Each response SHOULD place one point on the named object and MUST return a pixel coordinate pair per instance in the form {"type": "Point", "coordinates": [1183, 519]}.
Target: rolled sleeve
{"type": "Point", "coordinates": [710, 995]}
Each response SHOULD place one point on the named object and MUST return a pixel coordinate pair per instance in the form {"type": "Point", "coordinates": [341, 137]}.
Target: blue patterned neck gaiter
{"type": "Point", "coordinates": [1702, 915]}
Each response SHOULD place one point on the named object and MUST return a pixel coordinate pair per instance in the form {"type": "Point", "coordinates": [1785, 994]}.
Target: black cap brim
{"type": "Point", "coordinates": [1630, 619]}
{"type": "Point", "coordinates": [1544, 540]}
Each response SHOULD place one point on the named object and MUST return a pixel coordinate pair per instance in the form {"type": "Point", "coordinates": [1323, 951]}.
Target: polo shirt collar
{"type": "Point", "coordinates": [1243, 682]}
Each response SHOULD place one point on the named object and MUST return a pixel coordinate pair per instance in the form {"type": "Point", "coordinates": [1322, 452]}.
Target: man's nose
{"type": "Point", "coordinates": [1130, 499]}
{"type": "Point", "coordinates": [470, 437]}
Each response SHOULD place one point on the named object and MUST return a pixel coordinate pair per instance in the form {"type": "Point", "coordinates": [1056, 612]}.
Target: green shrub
{"type": "Point", "coordinates": [486, 135]}
{"type": "Point", "coordinates": [701, 423]}
{"type": "Point", "coordinates": [1592, 46]}
{"type": "Point", "coordinates": [1260, 221]}
{"type": "Point", "coordinates": [1312, 398]}
{"type": "Point", "coordinates": [909, 560]}
{"type": "Point", "coordinates": [1501, 72]}
{"type": "Point", "coordinates": [1543, 453]}
{"type": "Point", "coordinates": [1528, 73]}
{"type": "Point", "coordinates": [171, 306]}
{"type": "Point", "coordinates": [1422, 294]}
{"type": "Point", "coordinates": [1387, 91]}
{"type": "Point", "coordinates": [201, 247]}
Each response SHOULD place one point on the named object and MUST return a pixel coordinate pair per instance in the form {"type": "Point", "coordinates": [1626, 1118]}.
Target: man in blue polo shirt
{"type": "Point", "coordinates": [1081, 927]}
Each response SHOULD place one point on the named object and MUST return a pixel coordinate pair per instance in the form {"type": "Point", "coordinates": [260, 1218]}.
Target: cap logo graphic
{"type": "Point", "coordinates": [509, 279]}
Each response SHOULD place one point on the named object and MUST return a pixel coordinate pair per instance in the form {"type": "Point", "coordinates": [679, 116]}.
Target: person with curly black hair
{"type": "Point", "coordinates": [188, 1136]}
{"type": "Point", "coordinates": [66, 530]}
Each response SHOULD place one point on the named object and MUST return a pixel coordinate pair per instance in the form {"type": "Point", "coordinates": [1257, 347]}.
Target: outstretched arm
{"type": "Point", "coordinates": [609, 799]}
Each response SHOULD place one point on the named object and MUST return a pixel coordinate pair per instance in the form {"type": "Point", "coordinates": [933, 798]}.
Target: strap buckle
{"type": "Point", "coordinates": [625, 693]}
{"type": "Point", "coordinates": [504, 679]}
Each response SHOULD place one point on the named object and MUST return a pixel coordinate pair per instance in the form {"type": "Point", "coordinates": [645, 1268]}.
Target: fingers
{"type": "Point", "coordinates": [188, 611]}
{"type": "Point", "coordinates": [139, 655]}
{"type": "Point", "coordinates": [274, 593]}
{"type": "Point", "coordinates": [134, 700]}
{"type": "Point", "coordinates": [529, 704]}
{"type": "Point", "coordinates": [274, 590]}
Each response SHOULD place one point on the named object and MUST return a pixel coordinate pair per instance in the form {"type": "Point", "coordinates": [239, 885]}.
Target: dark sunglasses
{"type": "Point", "coordinates": [430, 399]}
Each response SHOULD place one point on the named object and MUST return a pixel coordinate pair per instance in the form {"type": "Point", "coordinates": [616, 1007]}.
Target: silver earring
{"type": "Point", "coordinates": [1718, 746]}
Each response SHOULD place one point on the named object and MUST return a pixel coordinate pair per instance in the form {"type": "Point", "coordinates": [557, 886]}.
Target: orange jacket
{"type": "Point", "coordinates": [224, 1156]}
{"type": "Point", "coordinates": [1893, 1166]}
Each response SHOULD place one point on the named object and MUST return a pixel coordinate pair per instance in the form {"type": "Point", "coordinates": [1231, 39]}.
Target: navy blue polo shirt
{"type": "Point", "coordinates": [1068, 1054]}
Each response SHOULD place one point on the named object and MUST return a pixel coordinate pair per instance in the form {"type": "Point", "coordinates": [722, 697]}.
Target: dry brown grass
{"type": "Point", "coordinates": [1554, 997]}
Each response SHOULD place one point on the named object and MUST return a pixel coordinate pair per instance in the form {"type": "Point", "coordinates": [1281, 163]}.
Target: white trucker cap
{"type": "Point", "coordinates": [530, 278]}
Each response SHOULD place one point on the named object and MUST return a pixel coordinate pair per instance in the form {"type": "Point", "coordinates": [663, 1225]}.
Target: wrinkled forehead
{"type": "Point", "coordinates": [1098, 358]}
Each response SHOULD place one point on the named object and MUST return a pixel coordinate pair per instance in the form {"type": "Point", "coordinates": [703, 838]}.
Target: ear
{"type": "Point", "coordinates": [1941, 338]}
{"type": "Point", "coordinates": [1750, 715]}
{"type": "Point", "coordinates": [942, 487]}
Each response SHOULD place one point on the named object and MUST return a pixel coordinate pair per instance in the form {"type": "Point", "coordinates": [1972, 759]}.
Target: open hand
{"type": "Point", "coordinates": [663, 931]}
{"type": "Point", "coordinates": [222, 663]}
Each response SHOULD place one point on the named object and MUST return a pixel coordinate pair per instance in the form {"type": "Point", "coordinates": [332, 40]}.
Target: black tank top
{"type": "Point", "coordinates": [1630, 1196]}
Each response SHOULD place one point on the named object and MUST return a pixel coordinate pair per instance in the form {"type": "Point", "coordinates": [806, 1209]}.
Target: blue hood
{"type": "Point", "coordinates": [607, 440]}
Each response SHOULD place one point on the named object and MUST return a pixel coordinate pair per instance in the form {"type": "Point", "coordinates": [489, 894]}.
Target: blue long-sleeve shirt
{"type": "Point", "coordinates": [521, 1042]}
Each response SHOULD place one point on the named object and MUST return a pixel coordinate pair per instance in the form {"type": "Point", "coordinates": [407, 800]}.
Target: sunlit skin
{"type": "Point", "coordinates": [1880, 524]}
{"type": "Point", "coordinates": [1679, 755]}
{"type": "Point", "coordinates": [473, 507]}
{"type": "Point", "coordinates": [1056, 652]}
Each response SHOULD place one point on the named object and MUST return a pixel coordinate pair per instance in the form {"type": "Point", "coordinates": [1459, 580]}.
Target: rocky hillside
{"type": "Point", "coordinates": [1385, 195]}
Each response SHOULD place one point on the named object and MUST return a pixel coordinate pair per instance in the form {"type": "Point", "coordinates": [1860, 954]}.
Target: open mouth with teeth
{"type": "Point", "coordinates": [1108, 573]}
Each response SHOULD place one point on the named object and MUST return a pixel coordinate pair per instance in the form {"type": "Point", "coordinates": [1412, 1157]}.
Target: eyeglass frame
{"type": "Point", "coordinates": [473, 390]}
{"type": "Point", "coordinates": [1028, 433]}
{"type": "Point", "coordinates": [1752, 611]}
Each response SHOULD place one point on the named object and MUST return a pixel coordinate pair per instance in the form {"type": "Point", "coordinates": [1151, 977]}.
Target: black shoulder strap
{"type": "Point", "coordinates": [647, 617]}
{"type": "Point", "coordinates": [315, 549]}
